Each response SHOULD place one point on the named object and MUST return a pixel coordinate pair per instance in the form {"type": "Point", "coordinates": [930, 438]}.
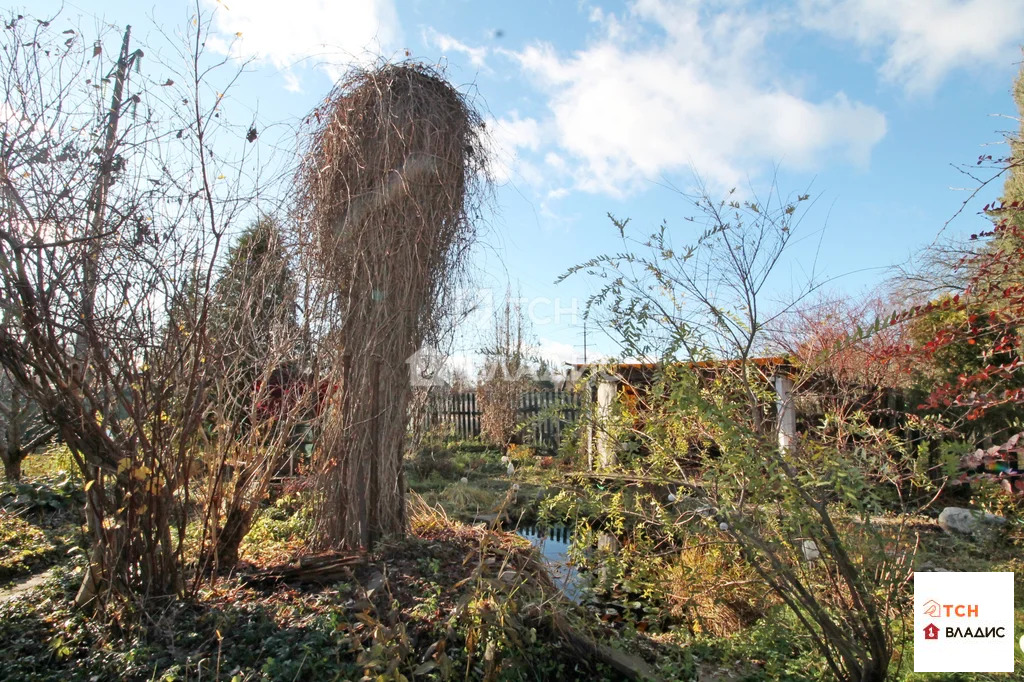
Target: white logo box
{"type": "Point", "coordinates": [963, 622]}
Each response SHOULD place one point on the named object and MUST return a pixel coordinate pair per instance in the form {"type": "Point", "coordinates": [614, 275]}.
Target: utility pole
{"type": "Point", "coordinates": [584, 340]}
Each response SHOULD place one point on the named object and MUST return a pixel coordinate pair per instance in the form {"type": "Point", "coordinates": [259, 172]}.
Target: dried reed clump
{"type": "Point", "coordinates": [390, 188]}
{"type": "Point", "coordinates": [499, 398]}
{"type": "Point", "coordinates": [714, 591]}
{"type": "Point", "coordinates": [466, 498]}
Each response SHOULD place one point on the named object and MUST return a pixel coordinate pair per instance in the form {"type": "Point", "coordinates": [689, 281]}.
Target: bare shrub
{"type": "Point", "coordinates": [112, 212]}
{"type": "Point", "coordinates": [261, 398]}
{"type": "Point", "coordinates": [505, 374]}
{"type": "Point", "coordinates": [697, 306]}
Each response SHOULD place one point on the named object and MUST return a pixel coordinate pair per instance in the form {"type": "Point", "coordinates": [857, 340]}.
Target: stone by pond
{"type": "Point", "coordinates": [969, 521]}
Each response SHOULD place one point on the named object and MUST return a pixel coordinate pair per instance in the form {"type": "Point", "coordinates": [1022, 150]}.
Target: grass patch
{"type": "Point", "coordinates": [24, 548]}
{"type": "Point", "coordinates": [54, 462]}
{"type": "Point", "coordinates": [40, 522]}
{"type": "Point", "coordinates": [465, 498]}
{"type": "Point", "coordinates": [278, 534]}
{"type": "Point", "coordinates": [439, 611]}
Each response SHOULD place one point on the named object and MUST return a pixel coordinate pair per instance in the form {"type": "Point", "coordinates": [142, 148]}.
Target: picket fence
{"type": "Point", "coordinates": [546, 414]}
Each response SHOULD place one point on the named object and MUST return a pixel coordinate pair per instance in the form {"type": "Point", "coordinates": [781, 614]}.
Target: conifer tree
{"type": "Point", "coordinates": [253, 313]}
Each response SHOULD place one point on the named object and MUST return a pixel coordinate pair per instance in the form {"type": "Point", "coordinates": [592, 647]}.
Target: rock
{"type": "Point", "coordinates": [375, 582]}
{"type": "Point", "coordinates": [508, 577]}
{"type": "Point", "coordinates": [362, 605]}
{"type": "Point", "coordinates": [810, 550]}
{"type": "Point", "coordinates": [968, 521]}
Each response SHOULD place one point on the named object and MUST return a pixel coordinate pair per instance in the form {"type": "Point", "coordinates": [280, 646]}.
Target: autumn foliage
{"type": "Point", "coordinates": [982, 325]}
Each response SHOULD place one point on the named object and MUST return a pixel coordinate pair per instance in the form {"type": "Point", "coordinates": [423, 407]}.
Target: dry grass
{"type": "Point", "coordinates": [467, 497]}
{"type": "Point", "coordinates": [714, 591]}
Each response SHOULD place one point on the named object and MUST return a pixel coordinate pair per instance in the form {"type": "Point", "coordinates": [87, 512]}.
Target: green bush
{"type": "Point", "coordinates": [39, 495]}
{"type": "Point", "coordinates": [430, 460]}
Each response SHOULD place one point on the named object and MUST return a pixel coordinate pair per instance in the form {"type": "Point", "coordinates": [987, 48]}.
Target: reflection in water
{"type": "Point", "coordinates": [553, 543]}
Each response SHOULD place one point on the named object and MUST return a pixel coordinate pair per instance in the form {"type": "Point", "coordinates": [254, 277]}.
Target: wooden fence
{"type": "Point", "coordinates": [545, 413]}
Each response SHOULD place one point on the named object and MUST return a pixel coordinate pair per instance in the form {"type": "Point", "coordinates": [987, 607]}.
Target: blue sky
{"type": "Point", "coordinates": [596, 107]}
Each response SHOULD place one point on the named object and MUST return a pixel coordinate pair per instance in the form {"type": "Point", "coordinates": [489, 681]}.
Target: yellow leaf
{"type": "Point", "coordinates": [88, 484]}
{"type": "Point", "coordinates": [124, 465]}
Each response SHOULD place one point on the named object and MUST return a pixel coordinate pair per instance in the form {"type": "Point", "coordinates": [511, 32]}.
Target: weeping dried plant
{"type": "Point", "coordinates": [391, 186]}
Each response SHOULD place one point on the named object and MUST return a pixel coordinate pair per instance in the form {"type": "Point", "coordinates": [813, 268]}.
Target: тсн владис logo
{"type": "Point", "coordinates": [934, 609]}
{"type": "Point", "coordinates": [963, 622]}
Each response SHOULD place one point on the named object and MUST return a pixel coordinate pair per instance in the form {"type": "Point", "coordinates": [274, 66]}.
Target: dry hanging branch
{"type": "Point", "coordinates": [391, 183]}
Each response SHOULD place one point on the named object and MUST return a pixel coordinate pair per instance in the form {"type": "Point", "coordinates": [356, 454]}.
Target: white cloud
{"type": "Point", "coordinates": [330, 34]}
{"type": "Point", "coordinates": [477, 55]}
{"type": "Point", "coordinates": [558, 354]}
{"type": "Point", "coordinates": [468, 364]}
{"type": "Point", "coordinates": [507, 136]}
{"type": "Point", "coordinates": [687, 88]}
{"type": "Point", "coordinates": [555, 161]}
{"type": "Point", "coordinates": [924, 41]}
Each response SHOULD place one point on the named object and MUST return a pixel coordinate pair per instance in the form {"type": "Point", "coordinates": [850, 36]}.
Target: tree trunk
{"type": "Point", "coordinates": [93, 578]}
{"type": "Point", "coordinates": [241, 510]}
{"type": "Point", "coordinates": [12, 465]}
{"type": "Point", "coordinates": [131, 554]}
{"type": "Point", "coordinates": [229, 540]}
{"type": "Point", "coordinates": [363, 488]}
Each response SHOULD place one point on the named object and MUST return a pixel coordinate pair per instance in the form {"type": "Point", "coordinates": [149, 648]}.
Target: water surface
{"type": "Point", "coordinates": [554, 542]}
